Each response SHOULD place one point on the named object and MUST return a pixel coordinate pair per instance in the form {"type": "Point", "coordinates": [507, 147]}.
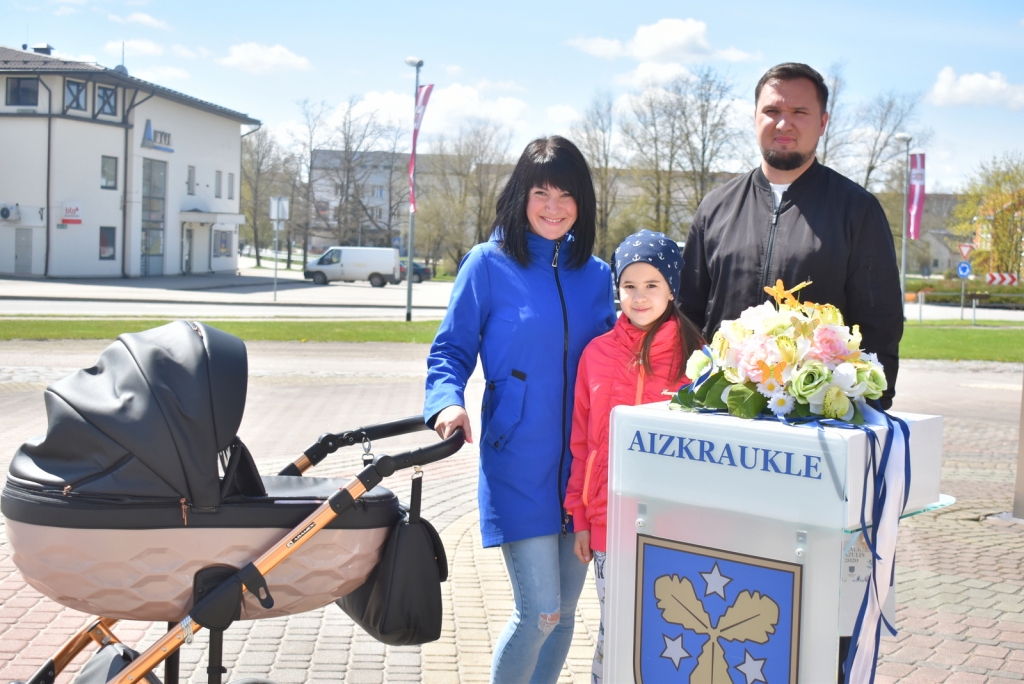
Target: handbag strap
{"type": "Point", "coordinates": [415, 496]}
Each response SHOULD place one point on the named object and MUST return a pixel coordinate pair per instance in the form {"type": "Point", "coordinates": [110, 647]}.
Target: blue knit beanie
{"type": "Point", "coordinates": [655, 249]}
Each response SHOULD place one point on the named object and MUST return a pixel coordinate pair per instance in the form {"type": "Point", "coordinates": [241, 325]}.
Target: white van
{"type": "Point", "coordinates": [379, 265]}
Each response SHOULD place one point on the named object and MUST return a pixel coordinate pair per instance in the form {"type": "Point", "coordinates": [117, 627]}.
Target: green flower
{"type": "Point", "coordinates": [874, 376]}
{"type": "Point", "coordinates": [697, 364]}
{"type": "Point", "coordinates": [808, 379]}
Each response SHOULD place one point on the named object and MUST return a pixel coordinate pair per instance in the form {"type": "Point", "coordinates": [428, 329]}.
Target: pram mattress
{"type": "Point", "coordinates": [136, 560]}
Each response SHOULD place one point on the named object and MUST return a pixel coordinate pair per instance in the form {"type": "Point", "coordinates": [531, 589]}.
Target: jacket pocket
{"type": "Point", "coordinates": [508, 412]}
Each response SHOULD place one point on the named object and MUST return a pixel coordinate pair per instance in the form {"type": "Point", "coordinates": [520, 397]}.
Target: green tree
{"type": "Point", "coordinates": [991, 211]}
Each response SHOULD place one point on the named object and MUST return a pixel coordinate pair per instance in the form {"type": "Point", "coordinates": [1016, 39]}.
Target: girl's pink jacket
{"type": "Point", "coordinates": [609, 376]}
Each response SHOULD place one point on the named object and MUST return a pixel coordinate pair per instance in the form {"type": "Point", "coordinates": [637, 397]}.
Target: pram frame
{"type": "Point", "coordinates": [372, 474]}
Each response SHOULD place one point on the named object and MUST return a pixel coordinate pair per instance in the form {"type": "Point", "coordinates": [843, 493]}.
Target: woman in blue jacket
{"type": "Point", "coordinates": [528, 302]}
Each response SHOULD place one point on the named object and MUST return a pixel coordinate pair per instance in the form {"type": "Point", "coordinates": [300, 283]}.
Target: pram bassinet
{"type": "Point", "coordinates": [114, 511]}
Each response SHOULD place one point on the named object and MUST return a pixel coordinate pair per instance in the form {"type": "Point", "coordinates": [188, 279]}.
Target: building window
{"type": "Point", "coordinates": [108, 173]}
{"type": "Point", "coordinates": [190, 183]}
{"type": "Point", "coordinates": [23, 92]}
{"type": "Point", "coordinates": [74, 95]}
{"type": "Point", "coordinates": [106, 100]}
{"type": "Point", "coordinates": [216, 184]}
{"type": "Point", "coordinates": [231, 186]}
{"type": "Point", "coordinates": [377, 213]}
{"type": "Point", "coordinates": [222, 243]}
{"type": "Point", "coordinates": [107, 237]}
{"type": "Point", "coordinates": [377, 191]}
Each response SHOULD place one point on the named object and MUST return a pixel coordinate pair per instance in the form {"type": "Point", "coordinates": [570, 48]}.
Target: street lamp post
{"type": "Point", "coordinates": [418, 64]}
{"type": "Point", "coordinates": [904, 138]}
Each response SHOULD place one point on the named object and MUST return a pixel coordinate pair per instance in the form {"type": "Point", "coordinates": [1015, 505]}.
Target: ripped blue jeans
{"type": "Point", "coordinates": [547, 579]}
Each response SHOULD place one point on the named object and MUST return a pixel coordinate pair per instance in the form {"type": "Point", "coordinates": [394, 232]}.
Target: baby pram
{"type": "Point", "coordinates": [141, 503]}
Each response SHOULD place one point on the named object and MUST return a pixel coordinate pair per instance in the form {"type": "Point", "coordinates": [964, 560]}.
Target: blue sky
{"type": "Point", "coordinates": [533, 65]}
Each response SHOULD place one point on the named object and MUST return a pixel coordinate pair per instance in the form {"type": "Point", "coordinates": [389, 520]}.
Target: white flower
{"type": "Point", "coordinates": [781, 403]}
{"type": "Point", "coordinates": [845, 378]}
{"type": "Point", "coordinates": [697, 364]}
{"type": "Point", "coordinates": [769, 388]}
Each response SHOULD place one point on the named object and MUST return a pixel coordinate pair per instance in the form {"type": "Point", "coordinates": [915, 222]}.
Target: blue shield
{"type": "Point", "coordinates": [714, 617]}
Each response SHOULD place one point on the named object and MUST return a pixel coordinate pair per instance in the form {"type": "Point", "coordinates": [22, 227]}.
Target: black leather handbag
{"type": "Point", "coordinates": [400, 602]}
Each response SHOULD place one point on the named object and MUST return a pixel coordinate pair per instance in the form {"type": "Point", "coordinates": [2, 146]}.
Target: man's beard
{"type": "Point", "coordinates": [785, 161]}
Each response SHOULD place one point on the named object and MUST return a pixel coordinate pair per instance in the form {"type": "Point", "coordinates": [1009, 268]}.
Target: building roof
{"type": "Point", "coordinates": [18, 61]}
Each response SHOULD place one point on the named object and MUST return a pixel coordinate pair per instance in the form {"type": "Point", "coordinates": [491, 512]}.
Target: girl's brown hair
{"type": "Point", "coordinates": [688, 339]}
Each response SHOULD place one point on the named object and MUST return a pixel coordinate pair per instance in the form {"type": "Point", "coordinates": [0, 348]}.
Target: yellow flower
{"type": "Point", "coordinates": [836, 404]}
{"type": "Point", "coordinates": [830, 315]}
{"type": "Point", "coordinates": [787, 348]}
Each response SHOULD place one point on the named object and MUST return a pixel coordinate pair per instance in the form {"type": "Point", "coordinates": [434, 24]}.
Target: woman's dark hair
{"type": "Point", "coordinates": [552, 161]}
{"type": "Point", "coordinates": [688, 339]}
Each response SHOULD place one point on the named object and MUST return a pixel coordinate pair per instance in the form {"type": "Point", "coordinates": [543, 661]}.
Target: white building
{"type": "Point", "coordinates": [139, 179]}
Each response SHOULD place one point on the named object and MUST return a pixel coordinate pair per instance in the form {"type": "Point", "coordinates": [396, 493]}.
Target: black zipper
{"type": "Point", "coordinates": [70, 488]}
{"type": "Point", "coordinates": [565, 386]}
{"type": "Point", "coordinates": [766, 271]}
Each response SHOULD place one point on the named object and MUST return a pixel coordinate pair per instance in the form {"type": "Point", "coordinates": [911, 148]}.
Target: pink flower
{"type": "Point", "coordinates": [750, 352]}
{"type": "Point", "coordinates": [827, 346]}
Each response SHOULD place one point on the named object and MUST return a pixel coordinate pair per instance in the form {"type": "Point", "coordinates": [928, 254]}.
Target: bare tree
{"type": "Point", "coordinates": [594, 136]}
{"type": "Point", "coordinates": [836, 144]}
{"type": "Point", "coordinates": [314, 136]}
{"type": "Point", "coordinates": [460, 185]}
{"type": "Point", "coordinates": [390, 181]}
{"type": "Point", "coordinates": [652, 138]}
{"type": "Point", "coordinates": [707, 132]}
{"type": "Point", "coordinates": [881, 119]}
{"type": "Point", "coordinates": [260, 162]}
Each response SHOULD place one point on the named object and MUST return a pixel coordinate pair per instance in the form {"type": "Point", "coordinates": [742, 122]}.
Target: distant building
{"type": "Point", "coordinates": [108, 175]}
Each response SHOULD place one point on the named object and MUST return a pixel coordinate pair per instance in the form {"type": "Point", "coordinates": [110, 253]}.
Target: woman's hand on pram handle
{"type": "Point", "coordinates": [452, 418]}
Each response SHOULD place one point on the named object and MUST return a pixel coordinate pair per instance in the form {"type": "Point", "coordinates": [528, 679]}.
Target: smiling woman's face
{"type": "Point", "coordinates": [550, 211]}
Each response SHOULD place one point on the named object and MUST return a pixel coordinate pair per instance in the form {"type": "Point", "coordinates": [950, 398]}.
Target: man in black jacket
{"type": "Point", "coordinates": [793, 219]}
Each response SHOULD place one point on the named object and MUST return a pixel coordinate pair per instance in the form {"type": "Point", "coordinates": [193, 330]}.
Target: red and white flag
{"type": "Point", "coordinates": [915, 195]}
{"type": "Point", "coordinates": [422, 97]}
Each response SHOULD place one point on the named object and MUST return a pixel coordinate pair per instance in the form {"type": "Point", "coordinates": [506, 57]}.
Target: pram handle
{"type": "Point", "coordinates": [329, 442]}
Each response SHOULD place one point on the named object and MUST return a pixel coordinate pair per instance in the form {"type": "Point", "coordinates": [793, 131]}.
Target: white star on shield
{"type": "Point", "coordinates": [674, 650]}
{"type": "Point", "coordinates": [716, 582]}
{"type": "Point", "coordinates": [752, 668]}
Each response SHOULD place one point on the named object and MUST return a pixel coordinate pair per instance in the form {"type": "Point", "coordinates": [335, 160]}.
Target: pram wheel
{"type": "Point", "coordinates": [253, 680]}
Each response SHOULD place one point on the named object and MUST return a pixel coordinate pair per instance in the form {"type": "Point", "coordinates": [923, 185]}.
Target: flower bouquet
{"type": "Point", "coordinates": [792, 359]}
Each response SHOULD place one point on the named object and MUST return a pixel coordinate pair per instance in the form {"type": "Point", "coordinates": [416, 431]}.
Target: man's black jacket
{"type": "Point", "coordinates": [828, 230]}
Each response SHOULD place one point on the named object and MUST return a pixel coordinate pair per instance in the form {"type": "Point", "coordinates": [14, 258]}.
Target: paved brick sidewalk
{"type": "Point", "coordinates": [961, 577]}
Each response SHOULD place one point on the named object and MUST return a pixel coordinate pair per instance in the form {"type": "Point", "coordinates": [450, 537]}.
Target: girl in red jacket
{"type": "Point", "coordinates": [641, 360]}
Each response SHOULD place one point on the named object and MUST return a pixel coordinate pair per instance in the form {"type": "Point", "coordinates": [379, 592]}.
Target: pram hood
{"type": "Point", "coordinates": [148, 420]}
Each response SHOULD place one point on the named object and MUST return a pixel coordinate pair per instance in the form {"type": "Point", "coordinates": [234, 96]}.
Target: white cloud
{"type": "Point", "coordinates": [74, 58]}
{"type": "Point", "coordinates": [138, 47]}
{"type": "Point", "coordinates": [976, 89]}
{"type": "Point", "coordinates": [140, 18]}
{"type": "Point", "coordinates": [64, 10]}
{"type": "Point", "coordinates": [683, 40]}
{"type": "Point", "coordinates": [562, 115]}
{"type": "Point", "coordinates": [71, 2]}
{"type": "Point", "coordinates": [485, 84]}
{"type": "Point", "coordinates": [182, 51]}
{"type": "Point", "coordinates": [160, 74]}
{"type": "Point", "coordinates": [599, 47]}
{"type": "Point", "coordinates": [453, 70]}
{"type": "Point", "coordinates": [652, 73]}
{"type": "Point", "coordinates": [260, 59]}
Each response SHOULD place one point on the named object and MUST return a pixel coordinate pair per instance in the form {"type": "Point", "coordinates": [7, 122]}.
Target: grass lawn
{"type": "Point", "coordinates": [981, 344]}
{"type": "Point", "coordinates": [295, 331]}
{"type": "Point", "coordinates": [989, 341]}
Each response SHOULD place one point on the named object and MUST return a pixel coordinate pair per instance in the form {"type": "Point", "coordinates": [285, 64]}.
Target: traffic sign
{"type": "Point", "coordinates": [1000, 278]}
{"type": "Point", "coordinates": [965, 249]}
{"type": "Point", "coordinates": [279, 209]}
{"type": "Point", "coordinates": [963, 269]}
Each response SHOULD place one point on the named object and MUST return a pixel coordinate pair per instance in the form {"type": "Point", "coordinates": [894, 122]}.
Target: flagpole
{"type": "Point", "coordinates": [904, 137]}
{"type": "Point", "coordinates": [410, 268]}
